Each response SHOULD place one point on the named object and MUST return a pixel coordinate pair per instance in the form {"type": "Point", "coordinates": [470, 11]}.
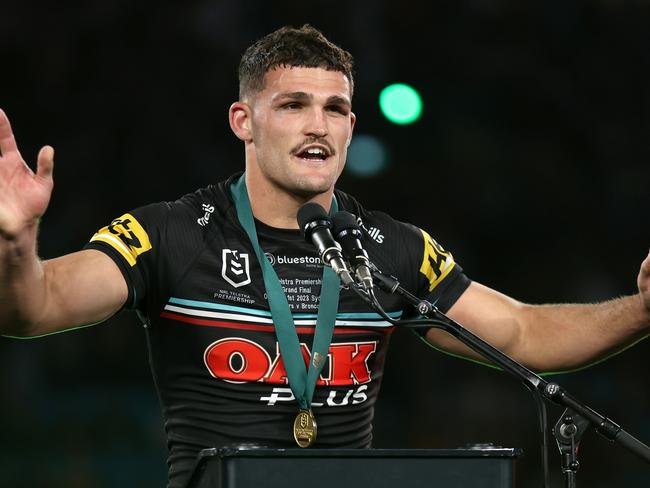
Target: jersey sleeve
{"type": "Point", "coordinates": [440, 279]}
{"type": "Point", "coordinates": [133, 241]}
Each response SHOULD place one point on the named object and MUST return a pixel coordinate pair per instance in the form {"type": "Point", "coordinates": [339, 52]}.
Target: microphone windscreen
{"type": "Point", "coordinates": [343, 220]}
{"type": "Point", "coordinates": [308, 213]}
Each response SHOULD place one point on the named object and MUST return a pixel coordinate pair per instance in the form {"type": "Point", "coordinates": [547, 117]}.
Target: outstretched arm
{"type": "Point", "coordinates": [550, 337]}
{"type": "Point", "coordinates": [44, 297]}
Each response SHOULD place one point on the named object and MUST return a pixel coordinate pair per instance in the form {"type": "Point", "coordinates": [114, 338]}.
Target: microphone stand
{"type": "Point", "coordinates": [576, 418]}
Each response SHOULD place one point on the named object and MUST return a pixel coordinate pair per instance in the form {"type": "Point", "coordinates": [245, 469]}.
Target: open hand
{"type": "Point", "coordinates": [644, 283]}
{"type": "Point", "coordinates": [24, 196]}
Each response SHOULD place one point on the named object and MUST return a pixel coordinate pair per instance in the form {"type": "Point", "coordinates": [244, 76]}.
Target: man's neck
{"type": "Point", "coordinates": [277, 207]}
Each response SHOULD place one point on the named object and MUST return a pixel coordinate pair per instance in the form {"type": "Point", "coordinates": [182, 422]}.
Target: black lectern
{"type": "Point", "coordinates": [485, 467]}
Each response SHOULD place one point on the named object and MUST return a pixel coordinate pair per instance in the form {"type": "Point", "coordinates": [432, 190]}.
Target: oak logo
{"type": "Point", "coordinates": [239, 360]}
{"type": "Point", "coordinates": [126, 236]}
{"type": "Point", "coordinates": [235, 268]}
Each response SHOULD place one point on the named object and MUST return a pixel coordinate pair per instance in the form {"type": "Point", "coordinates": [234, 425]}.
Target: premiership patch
{"type": "Point", "coordinates": [126, 236]}
{"type": "Point", "coordinates": [437, 263]}
{"type": "Point", "coordinates": [235, 268]}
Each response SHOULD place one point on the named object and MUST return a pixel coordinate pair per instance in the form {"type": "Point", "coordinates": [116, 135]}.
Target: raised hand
{"type": "Point", "coordinates": [644, 283]}
{"type": "Point", "coordinates": [24, 196]}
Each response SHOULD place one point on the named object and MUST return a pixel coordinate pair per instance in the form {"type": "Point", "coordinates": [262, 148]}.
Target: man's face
{"type": "Point", "coordinates": [301, 126]}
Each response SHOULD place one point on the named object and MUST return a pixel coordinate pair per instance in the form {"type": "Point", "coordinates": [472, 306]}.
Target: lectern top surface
{"type": "Point", "coordinates": [244, 451]}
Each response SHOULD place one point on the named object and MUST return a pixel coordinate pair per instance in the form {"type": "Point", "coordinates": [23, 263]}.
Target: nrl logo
{"type": "Point", "coordinates": [235, 268]}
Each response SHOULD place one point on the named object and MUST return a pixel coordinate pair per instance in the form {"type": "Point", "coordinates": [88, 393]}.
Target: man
{"type": "Point", "coordinates": [201, 273]}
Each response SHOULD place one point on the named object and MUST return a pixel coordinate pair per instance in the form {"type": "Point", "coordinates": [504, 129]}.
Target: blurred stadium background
{"type": "Point", "coordinates": [529, 161]}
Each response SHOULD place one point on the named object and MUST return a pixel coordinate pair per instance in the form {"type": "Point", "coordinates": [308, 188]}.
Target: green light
{"type": "Point", "coordinates": [400, 103]}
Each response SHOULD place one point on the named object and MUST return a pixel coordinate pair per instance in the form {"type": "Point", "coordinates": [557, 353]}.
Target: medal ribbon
{"type": "Point", "coordinates": [301, 381]}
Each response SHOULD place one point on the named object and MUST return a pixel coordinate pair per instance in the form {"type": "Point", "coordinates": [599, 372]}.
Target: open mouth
{"type": "Point", "coordinates": [313, 153]}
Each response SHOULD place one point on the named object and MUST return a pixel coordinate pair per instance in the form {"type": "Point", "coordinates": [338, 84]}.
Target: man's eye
{"type": "Point", "coordinates": [292, 105]}
{"type": "Point", "coordinates": [338, 109]}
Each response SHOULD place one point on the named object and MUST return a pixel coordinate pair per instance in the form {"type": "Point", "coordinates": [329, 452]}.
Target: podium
{"type": "Point", "coordinates": [484, 467]}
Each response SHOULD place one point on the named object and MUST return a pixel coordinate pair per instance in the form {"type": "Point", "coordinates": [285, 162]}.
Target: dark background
{"type": "Point", "coordinates": [530, 163]}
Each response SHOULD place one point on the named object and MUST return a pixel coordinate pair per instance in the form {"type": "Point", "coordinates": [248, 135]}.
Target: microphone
{"type": "Point", "coordinates": [349, 234]}
{"type": "Point", "coordinates": [315, 227]}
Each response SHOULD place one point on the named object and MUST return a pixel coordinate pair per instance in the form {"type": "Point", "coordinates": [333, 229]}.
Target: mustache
{"type": "Point", "coordinates": [314, 140]}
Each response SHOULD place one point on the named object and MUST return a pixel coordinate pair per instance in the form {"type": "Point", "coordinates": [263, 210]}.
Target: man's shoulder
{"type": "Point", "coordinates": [351, 204]}
{"type": "Point", "coordinates": [214, 195]}
{"type": "Point", "coordinates": [196, 208]}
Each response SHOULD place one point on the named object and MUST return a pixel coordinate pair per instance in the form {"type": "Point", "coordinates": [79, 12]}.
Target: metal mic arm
{"type": "Point", "coordinates": [551, 391]}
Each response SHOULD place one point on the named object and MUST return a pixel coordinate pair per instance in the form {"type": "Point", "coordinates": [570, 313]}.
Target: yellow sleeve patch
{"type": "Point", "coordinates": [126, 236]}
{"type": "Point", "coordinates": [436, 263]}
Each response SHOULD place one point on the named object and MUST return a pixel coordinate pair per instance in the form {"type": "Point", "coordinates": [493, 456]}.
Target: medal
{"type": "Point", "coordinates": [302, 377]}
{"type": "Point", "coordinates": [304, 428]}
{"type": "Point", "coordinates": [318, 360]}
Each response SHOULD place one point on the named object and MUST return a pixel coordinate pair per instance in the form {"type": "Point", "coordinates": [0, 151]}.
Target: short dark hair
{"type": "Point", "coordinates": [305, 47]}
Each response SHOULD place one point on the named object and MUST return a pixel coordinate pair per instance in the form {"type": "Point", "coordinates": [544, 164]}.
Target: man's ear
{"type": "Point", "coordinates": [353, 120]}
{"type": "Point", "coordinates": [239, 117]}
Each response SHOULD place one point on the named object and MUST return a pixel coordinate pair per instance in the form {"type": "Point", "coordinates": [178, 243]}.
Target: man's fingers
{"type": "Point", "coordinates": [7, 141]}
{"type": "Point", "coordinates": [645, 265]}
{"type": "Point", "coordinates": [45, 163]}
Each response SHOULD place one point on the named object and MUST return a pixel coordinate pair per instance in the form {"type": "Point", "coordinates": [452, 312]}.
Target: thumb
{"type": "Point", "coordinates": [645, 265]}
{"type": "Point", "coordinates": [644, 277]}
{"type": "Point", "coordinates": [45, 163]}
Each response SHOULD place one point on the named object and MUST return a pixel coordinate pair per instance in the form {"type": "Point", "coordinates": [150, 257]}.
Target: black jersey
{"type": "Point", "coordinates": [192, 272]}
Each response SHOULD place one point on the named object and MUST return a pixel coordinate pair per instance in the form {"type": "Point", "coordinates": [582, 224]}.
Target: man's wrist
{"type": "Point", "coordinates": [17, 247]}
{"type": "Point", "coordinates": [642, 302]}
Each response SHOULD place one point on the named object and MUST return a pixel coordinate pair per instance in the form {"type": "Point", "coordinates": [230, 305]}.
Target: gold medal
{"type": "Point", "coordinates": [304, 428]}
{"type": "Point", "coordinates": [318, 360]}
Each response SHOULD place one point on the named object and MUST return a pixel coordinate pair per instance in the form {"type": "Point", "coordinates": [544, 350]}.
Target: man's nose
{"type": "Point", "coordinates": [317, 123]}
